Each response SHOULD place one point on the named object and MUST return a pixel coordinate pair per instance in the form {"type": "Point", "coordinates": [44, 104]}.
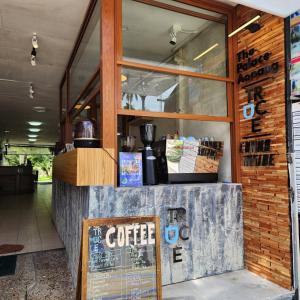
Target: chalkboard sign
{"type": "Point", "coordinates": [121, 259]}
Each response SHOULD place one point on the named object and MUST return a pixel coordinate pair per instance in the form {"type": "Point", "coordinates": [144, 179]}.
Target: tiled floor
{"type": "Point", "coordinates": [38, 276]}
{"type": "Point", "coordinates": [26, 219]}
{"type": "Point", "coordinates": [238, 285]}
{"type": "Point", "coordinates": [45, 275]}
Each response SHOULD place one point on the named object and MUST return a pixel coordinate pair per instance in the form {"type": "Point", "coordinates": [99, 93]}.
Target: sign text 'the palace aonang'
{"type": "Point", "coordinates": [248, 60]}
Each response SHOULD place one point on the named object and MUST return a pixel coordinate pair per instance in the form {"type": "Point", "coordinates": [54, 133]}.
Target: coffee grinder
{"type": "Point", "coordinates": [147, 132]}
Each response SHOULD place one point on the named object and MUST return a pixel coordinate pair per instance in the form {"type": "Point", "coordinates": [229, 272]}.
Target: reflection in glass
{"type": "Point", "coordinates": [158, 92]}
{"type": "Point", "coordinates": [90, 90]}
{"type": "Point", "coordinates": [87, 57]}
{"type": "Point", "coordinates": [216, 131]}
{"type": "Point", "coordinates": [166, 38]}
{"type": "Point", "coordinates": [90, 112]}
{"type": "Point", "coordinates": [64, 100]}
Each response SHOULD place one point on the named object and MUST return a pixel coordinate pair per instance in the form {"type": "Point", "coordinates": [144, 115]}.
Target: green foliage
{"type": "Point", "coordinates": [41, 163]}
{"type": "Point", "coordinates": [41, 159]}
{"type": "Point", "coordinates": [13, 159]}
{"type": "Point", "coordinates": [45, 178]}
{"type": "Point", "coordinates": [28, 150]}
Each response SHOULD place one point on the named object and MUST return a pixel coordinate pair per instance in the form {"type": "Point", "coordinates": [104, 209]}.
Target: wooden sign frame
{"type": "Point", "coordinates": [82, 284]}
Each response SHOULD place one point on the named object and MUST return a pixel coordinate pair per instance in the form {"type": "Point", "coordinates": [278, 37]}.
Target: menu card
{"type": "Point", "coordinates": [130, 169]}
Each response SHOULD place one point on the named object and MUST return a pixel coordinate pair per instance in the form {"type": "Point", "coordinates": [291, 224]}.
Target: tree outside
{"type": "Point", "coordinates": [41, 160]}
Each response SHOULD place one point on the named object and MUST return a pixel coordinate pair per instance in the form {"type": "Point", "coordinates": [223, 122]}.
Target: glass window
{"type": "Point", "coordinates": [90, 112]}
{"type": "Point", "coordinates": [63, 132]}
{"type": "Point", "coordinates": [198, 130]}
{"type": "Point", "coordinates": [64, 100]}
{"type": "Point", "coordinates": [194, 9]}
{"type": "Point", "coordinates": [160, 37]}
{"type": "Point", "coordinates": [87, 57]}
{"type": "Point", "coordinates": [89, 92]}
{"type": "Point", "coordinates": [160, 92]}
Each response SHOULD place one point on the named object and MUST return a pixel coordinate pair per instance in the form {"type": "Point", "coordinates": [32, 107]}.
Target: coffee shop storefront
{"type": "Point", "coordinates": [173, 116]}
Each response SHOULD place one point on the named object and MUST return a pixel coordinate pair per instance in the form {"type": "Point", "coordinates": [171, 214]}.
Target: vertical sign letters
{"type": "Point", "coordinates": [176, 231]}
{"type": "Point", "coordinates": [256, 151]}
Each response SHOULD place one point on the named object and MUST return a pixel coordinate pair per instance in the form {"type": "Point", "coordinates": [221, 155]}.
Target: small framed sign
{"type": "Point", "coordinates": [131, 169]}
{"type": "Point", "coordinates": [121, 259]}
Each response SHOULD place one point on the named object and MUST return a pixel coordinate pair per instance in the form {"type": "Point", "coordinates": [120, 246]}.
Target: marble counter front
{"type": "Point", "coordinates": [211, 215]}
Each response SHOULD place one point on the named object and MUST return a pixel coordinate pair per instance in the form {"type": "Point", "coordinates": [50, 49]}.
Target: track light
{"type": "Point", "coordinates": [246, 25]}
{"type": "Point", "coordinates": [78, 106]}
{"type": "Point", "coordinates": [206, 51]}
{"type": "Point", "coordinates": [33, 57]}
{"type": "Point", "coordinates": [175, 29]}
{"type": "Point", "coordinates": [34, 41]}
{"type": "Point", "coordinates": [31, 91]}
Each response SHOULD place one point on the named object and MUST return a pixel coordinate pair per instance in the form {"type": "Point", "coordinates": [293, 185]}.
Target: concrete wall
{"type": "Point", "coordinates": [213, 215]}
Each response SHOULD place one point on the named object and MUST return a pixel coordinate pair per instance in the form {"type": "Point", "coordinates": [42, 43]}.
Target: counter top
{"type": "Point", "coordinates": [85, 167]}
{"type": "Point", "coordinates": [159, 186]}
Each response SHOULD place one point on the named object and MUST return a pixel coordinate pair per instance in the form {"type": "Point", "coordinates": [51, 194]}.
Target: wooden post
{"type": "Point", "coordinates": [234, 105]}
{"type": "Point", "coordinates": [108, 113]}
{"type": "Point", "coordinates": [68, 123]}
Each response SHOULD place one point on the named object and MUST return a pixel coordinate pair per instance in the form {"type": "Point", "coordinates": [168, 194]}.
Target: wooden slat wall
{"type": "Point", "coordinates": [265, 189]}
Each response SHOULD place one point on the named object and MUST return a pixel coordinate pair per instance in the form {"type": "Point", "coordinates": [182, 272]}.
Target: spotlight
{"type": "Point", "coordinates": [173, 38]}
{"type": "Point", "coordinates": [253, 27]}
{"type": "Point", "coordinates": [34, 41]}
{"type": "Point", "coordinates": [33, 57]}
{"type": "Point", "coordinates": [78, 106]}
{"type": "Point", "coordinates": [173, 33]}
{"type": "Point", "coordinates": [31, 91]}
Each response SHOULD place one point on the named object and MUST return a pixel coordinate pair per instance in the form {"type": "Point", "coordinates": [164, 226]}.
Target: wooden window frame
{"type": "Point", "coordinates": [84, 89]}
{"type": "Point", "coordinates": [89, 99]}
{"type": "Point", "coordinates": [82, 30]}
{"type": "Point", "coordinates": [143, 66]}
{"type": "Point", "coordinates": [232, 113]}
{"type": "Point", "coordinates": [111, 61]}
{"type": "Point", "coordinates": [174, 8]}
{"type": "Point", "coordinates": [67, 121]}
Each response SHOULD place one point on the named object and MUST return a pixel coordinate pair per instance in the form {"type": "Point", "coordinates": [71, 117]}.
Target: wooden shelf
{"type": "Point", "coordinates": [136, 122]}
{"type": "Point", "coordinates": [85, 166]}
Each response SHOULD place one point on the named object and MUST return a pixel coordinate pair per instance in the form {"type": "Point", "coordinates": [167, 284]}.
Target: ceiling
{"type": "Point", "coordinates": [282, 8]}
{"type": "Point", "coordinates": [138, 39]}
{"type": "Point", "coordinates": [56, 23]}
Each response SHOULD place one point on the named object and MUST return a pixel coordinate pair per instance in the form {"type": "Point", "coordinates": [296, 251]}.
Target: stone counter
{"type": "Point", "coordinates": [212, 214]}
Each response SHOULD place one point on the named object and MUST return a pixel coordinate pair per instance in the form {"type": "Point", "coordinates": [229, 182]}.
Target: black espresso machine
{"type": "Point", "coordinates": [164, 176]}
